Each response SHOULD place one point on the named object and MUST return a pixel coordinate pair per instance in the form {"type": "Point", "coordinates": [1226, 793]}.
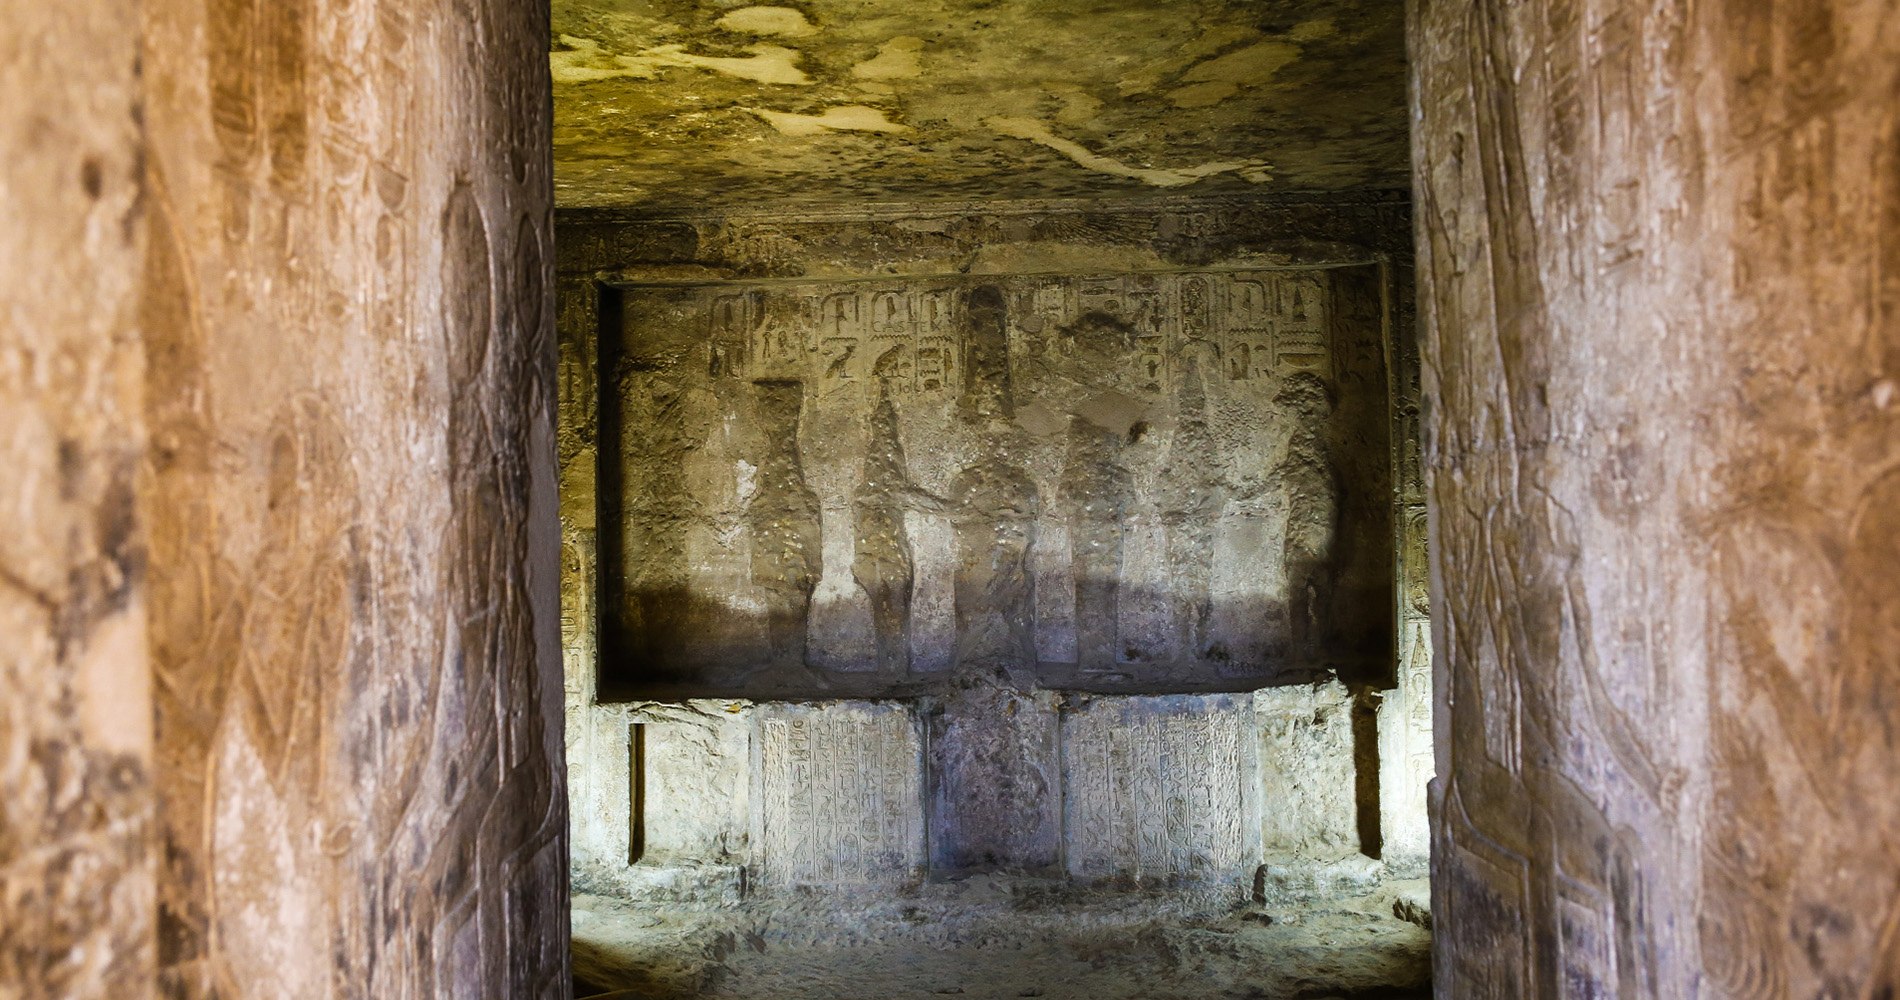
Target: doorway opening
{"type": "Point", "coordinates": [992, 566]}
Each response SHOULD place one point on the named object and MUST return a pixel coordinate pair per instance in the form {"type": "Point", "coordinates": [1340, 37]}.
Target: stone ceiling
{"type": "Point", "coordinates": [707, 103]}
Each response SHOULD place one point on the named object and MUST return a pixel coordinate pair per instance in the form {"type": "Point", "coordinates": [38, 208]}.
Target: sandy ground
{"type": "Point", "coordinates": [992, 938]}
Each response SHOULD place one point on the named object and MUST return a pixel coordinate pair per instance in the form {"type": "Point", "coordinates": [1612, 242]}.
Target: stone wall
{"type": "Point", "coordinates": [279, 581]}
{"type": "Point", "coordinates": [1660, 248]}
{"type": "Point", "coordinates": [350, 389]}
{"type": "Point", "coordinates": [76, 851]}
{"type": "Point", "coordinates": [884, 468]}
{"type": "Point", "coordinates": [1136, 481]}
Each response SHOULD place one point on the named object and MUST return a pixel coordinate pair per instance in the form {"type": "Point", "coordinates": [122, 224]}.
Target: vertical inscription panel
{"type": "Point", "coordinates": [1160, 790]}
{"type": "Point", "coordinates": [839, 791]}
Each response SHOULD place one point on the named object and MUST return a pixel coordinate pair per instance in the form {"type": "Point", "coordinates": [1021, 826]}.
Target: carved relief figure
{"type": "Point", "coordinates": [1097, 490]}
{"type": "Point", "coordinates": [1168, 427]}
{"type": "Point", "coordinates": [995, 518]}
{"type": "Point", "coordinates": [883, 564]}
{"type": "Point", "coordinates": [1191, 500]}
{"type": "Point", "coordinates": [986, 383]}
{"type": "Point", "coordinates": [783, 520]}
{"type": "Point", "coordinates": [1312, 491]}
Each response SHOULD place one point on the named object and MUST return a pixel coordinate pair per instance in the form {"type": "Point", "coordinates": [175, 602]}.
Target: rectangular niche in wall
{"type": "Point", "coordinates": [1143, 482]}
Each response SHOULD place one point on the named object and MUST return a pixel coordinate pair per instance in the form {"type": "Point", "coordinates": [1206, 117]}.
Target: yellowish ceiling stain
{"type": "Point", "coordinates": [1312, 31]}
{"type": "Point", "coordinates": [896, 59]}
{"type": "Point", "coordinates": [1105, 97]}
{"type": "Point", "coordinates": [1202, 95]}
{"type": "Point", "coordinates": [584, 61]}
{"type": "Point", "coordinates": [843, 118]}
{"type": "Point", "coordinates": [1079, 107]}
{"type": "Point", "coordinates": [784, 22]}
{"type": "Point", "coordinates": [1211, 41]}
{"type": "Point", "coordinates": [1252, 65]}
{"type": "Point", "coordinates": [1253, 171]}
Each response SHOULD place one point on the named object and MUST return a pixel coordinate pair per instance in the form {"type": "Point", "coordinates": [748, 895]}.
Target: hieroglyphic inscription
{"type": "Point", "coordinates": [840, 794]}
{"type": "Point", "coordinates": [1159, 790]}
{"type": "Point", "coordinates": [1101, 481]}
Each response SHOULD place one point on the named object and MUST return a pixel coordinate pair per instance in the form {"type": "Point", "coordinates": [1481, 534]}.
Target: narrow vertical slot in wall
{"type": "Point", "coordinates": [636, 792]}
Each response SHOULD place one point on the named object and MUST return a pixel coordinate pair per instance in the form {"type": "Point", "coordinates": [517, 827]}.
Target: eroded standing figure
{"type": "Point", "coordinates": [1097, 490]}
{"type": "Point", "coordinates": [783, 522]}
{"type": "Point", "coordinates": [882, 563]}
{"type": "Point", "coordinates": [1192, 494]}
{"type": "Point", "coordinates": [993, 505]}
{"type": "Point", "coordinates": [1312, 490]}
{"type": "Point", "coordinates": [995, 517]}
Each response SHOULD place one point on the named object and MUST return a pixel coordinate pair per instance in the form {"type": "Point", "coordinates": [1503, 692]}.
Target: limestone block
{"type": "Point", "coordinates": [1161, 790]}
{"type": "Point", "coordinates": [1306, 880]}
{"type": "Point", "coordinates": [694, 789]}
{"type": "Point", "coordinates": [1406, 764]}
{"type": "Point", "coordinates": [661, 796]}
{"type": "Point", "coordinates": [994, 781]}
{"type": "Point", "coordinates": [838, 794]}
{"type": "Point", "coordinates": [1308, 804]}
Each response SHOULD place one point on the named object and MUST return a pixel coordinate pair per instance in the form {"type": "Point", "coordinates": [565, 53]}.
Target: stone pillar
{"type": "Point", "coordinates": [1659, 249]}
{"type": "Point", "coordinates": [351, 499]}
{"type": "Point", "coordinates": [75, 721]}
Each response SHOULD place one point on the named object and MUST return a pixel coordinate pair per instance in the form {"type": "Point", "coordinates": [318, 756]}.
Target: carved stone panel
{"type": "Point", "coordinates": [994, 782]}
{"type": "Point", "coordinates": [1307, 806]}
{"type": "Point", "coordinates": [1108, 482]}
{"type": "Point", "coordinates": [838, 794]}
{"type": "Point", "coordinates": [1161, 790]}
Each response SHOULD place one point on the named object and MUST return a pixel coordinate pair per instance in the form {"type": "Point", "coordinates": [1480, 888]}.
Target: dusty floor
{"type": "Point", "coordinates": [985, 938]}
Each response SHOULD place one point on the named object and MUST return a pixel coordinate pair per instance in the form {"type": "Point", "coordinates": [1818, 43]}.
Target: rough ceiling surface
{"type": "Point", "coordinates": [704, 102]}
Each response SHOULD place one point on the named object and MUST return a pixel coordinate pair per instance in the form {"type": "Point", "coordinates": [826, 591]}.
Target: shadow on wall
{"type": "Point", "coordinates": [676, 643]}
{"type": "Point", "coordinates": [1133, 482]}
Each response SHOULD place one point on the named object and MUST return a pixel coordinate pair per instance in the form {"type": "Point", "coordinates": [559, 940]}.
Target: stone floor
{"type": "Point", "coordinates": [988, 937]}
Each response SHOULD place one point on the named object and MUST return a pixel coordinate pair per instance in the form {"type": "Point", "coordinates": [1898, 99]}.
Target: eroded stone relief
{"type": "Point", "coordinates": [840, 794]}
{"type": "Point", "coordinates": [1660, 313]}
{"type": "Point", "coordinates": [349, 367]}
{"type": "Point", "coordinates": [970, 439]}
{"type": "Point", "coordinates": [1160, 791]}
{"type": "Point", "coordinates": [1306, 771]}
{"type": "Point", "coordinates": [1109, 481]}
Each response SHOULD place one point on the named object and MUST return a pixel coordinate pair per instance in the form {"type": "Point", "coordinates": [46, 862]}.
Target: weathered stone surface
{"type": "Point", "coordinates": [839, 795]}
{"type": "Point", "coordinates": [1149, 480]}
{"type": "Point", "coordinates": [995, 783]}
{"type": "Point", "coordinates": [1160, 791]}
{"type": "Point", "coordinates": [1307, 804]}
{"type": "Point", "coordinates": [1660, 248]}
{"type": "Point", "coordinates": [76, 769]}
{"type": "Point", "coordinates": [1406, 763]}
{"type": "Point", "coordinates": [348, 494]}
{"type": "Point", "coordinates": [661, 798]}
{"type": "Point", "coordinates": [924, 557]}
{"type": "Point", "coordinates": [691, 103]}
